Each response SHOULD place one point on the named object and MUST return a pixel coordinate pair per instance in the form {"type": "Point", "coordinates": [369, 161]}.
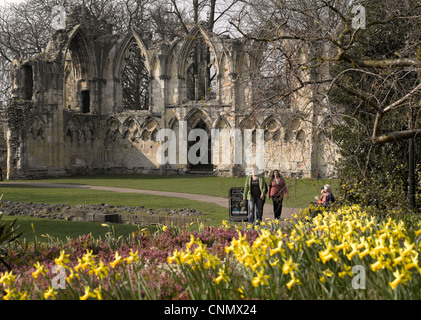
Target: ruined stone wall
{"type": "Point", "coordinates": [66, 114]}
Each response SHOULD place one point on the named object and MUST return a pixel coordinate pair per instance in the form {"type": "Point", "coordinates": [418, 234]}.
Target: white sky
{"type": "Point", "coordinates": [5, 2]}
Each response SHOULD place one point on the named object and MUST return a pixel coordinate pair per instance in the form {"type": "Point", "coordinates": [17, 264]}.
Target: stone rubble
{"type": "Point", "coordinates": [80, 212]}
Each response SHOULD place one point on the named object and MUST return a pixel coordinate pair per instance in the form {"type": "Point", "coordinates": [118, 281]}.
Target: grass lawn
{"type": "Point", "coordinates": [302, 191]}
{"type": "Point", "coordinates": [61, 229]}
{"type": "Point", "coordinates": [20, 193]}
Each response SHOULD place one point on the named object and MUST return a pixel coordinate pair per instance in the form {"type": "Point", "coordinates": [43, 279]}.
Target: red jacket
{"type": "Point", "coordinates": [277, 189]}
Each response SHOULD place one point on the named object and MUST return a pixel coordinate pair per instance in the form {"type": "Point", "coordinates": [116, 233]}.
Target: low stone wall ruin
{"type": "Point", "coordinates": [104, 213]}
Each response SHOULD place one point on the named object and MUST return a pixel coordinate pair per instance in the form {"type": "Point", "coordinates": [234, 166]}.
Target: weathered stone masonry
{"type": "Point", "coordinates": [67, 113]}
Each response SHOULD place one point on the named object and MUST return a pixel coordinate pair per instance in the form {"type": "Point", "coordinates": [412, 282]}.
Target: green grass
{"type": "Point", "coordinates": [21, 193]}
{"type": "Point", "coordinates": [302, 191]}
{"type": "Point", "coordinates": [61, 229]}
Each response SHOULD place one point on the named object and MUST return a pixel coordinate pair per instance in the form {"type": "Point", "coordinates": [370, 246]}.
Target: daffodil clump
{"type": "Point", "coordinates": [87, 268]}
{"type": "Point", "coordinates": [343, 254]}
{"type": "Point", "coordinates": [86, 279]}
{"type": "Point", "coordinates": [346, 253]}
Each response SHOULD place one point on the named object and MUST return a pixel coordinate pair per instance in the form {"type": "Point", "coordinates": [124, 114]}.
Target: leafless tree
{"type": "Point", "coordinates": [331, 45]}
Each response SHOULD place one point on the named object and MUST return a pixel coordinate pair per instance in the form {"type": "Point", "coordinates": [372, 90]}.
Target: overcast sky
{"type": "Point", "coordinates": [3, 2]}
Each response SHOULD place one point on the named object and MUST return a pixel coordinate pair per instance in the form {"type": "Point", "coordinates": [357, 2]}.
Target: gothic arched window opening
{"type": "Point", "coordinates": [201, 72]}
{"type": "Point", "coordinates": [28, 82]}
{"type": "Point", "coordinates": [86, 100]}
{"type": "Point", "coordinates": [272, 81]}
{"type": "Point", "coordinates": [76, 75]}
{"type": "Point", "coordinates": [135, 80]}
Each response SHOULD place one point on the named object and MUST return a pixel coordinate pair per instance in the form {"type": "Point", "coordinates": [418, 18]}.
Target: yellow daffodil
{"type": "Point", "coordinates": [116, 261]}
{"type": "Point", "coordinates": [325, 257]}
{"type": "Point", "coordinates": [70, 276]}
{"type": "Point", "coordinates": [290, 245]}
{"type": "Point", "coordinates": [408, 248]}
{"type": "Point", "coordinates": [413, 263]}
{"type": "Point", "coordinates": [191, 242]}
{"type": "Point", "coordinates": [101, 271]}
{"type": "Point", "coordinates": [145, 232]}
{"type": "Point", "coordinates": [398, 278]}
{"type": "Point", "coordinates": [397, 260]}
{"type": "Point", "coordinates": [310, 242]}
{"type": "Point", "coordinates": [40, 270]}
{"type": "Point", "coordinates": [9, 293]}
{"type": "Point", "coordinates": [353, 252]}
{"type": "Point", "coordinates": [275, 263]}
{"type": "Point", "coordinates": [221, 276]}
{"type": "Point", "coordinates": [88, 293]}
{"type": "Point", "coordinates": [289, 266]}
{"type": "Point", "coordinates": [50, 293]}
{"type": "Point", "coordinates": [81, 265]}
{"type": "Point", "coordinates": [241, 291]}
{"type": "Point", "coordinates": [328, 273]}
{"type": "Point", "coordinates": [7, 279]}
{"type": "Point", "coordinates": [88, 256]}
{"type": "Point", "coordinates": [291, 283]}
{"type": "Point", "coordinates": [376, 266]}
{"type": "Point", "coordinates": [346, 270]}
{"type": "Point", "coordinates": [132, 257]}
{"type": "Point", "coordinates": [349, 231]}
{"type": "Point", "coordinates": [341, 246]}
{"type": "Point", "coordinates": [62, 259]}
{"type": "Point", "coordinates": [364, 253]}
{"type": "Point", "coordinates": [98, 293]}
{"type": "Point", "coordinates": [274, 251]}
{"type": "Point", "coordinates": [23, 295]}
{"type": "Point", "coordinates": [260, 278]}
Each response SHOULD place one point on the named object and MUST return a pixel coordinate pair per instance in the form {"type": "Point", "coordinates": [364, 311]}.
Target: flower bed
{"type": "Point", "coordinates": [345, 254]}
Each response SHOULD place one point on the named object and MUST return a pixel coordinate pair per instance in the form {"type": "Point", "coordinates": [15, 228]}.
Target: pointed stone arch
{"type": "Point", "coordinates": [170, 59]}
{"type": "Point", "coordinates": [150, 123]}
{"type": "Point", "coordinates": [195, 115]}
{"type": "Point", "coordinates": [72, 130]}
{"type": "Point", "coordinates": [173, 122]}
{"type": "Point", "coordinates": [221, 120]}
{"type": "Point", "coordinates": [198, 66]}
{"type": "Point", "coordinates": [131, 128]}
{"type": "Point", "coordinates": [89, 130]}
{"type": "Point", "coordinates": [113, 126]}
{"type": "Point", "coordinates": [249, 122]}
{"type": "Point", "coordinates": [125, 43]}
{"type": "Point", "coordinates": [132, 73]}
{"type": "Point", "coordinates": [83, 51]}
{"type": "Point", "coordinates": [271, 123]}
{"type": "Point", "coordinates": [301, 136]}
{"type": "Point", "coordinates": [80, 67]}
{"type": "Point", "coordinates": [149, 128]}
{"type": "Point", "coordinates": [130, 121]}
{"type": "Point", "coordinates": [198, 30]}
{"type": "Point", "coordinates": [37, 129]}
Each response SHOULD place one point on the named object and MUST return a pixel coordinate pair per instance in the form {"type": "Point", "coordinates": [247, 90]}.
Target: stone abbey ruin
{"type": "Point", "coordinates": [71, 111]}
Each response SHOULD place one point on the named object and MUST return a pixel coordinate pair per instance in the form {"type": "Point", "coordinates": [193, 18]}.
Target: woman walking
{"type": "Point", "coordinates": [255, 190]}
{"type": "Point", "coordinates": [276, 190]}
